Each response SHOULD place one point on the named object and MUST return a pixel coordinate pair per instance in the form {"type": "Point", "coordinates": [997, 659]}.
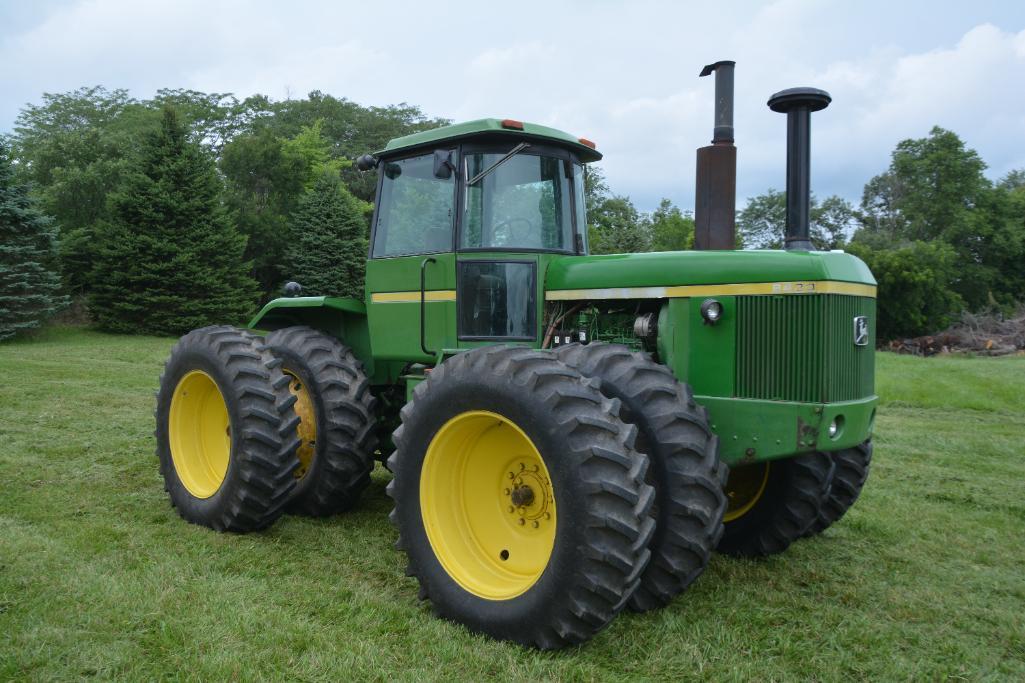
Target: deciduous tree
{"type": "Point", "coordinates": [763, 220]}
{"type": "Point", "coordinates": [671, 229]}
{"type": "Point", "coordinates": [914, 287]}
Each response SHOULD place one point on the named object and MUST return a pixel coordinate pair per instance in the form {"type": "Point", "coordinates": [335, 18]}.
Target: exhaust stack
{"type": "Point", "coordinates": [715, 194]}
{"type": "Point", "coordinates": [798, 104]}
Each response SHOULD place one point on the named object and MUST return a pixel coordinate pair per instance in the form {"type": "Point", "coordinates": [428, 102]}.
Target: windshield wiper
{"type": "Point", "coordinates": [513, 152]}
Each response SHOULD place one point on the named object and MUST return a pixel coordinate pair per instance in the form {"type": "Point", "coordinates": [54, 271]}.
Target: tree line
{"type": "Point", "coordinates": [191, 208]}
{"type": "Point", "coordinates": [939, 236]}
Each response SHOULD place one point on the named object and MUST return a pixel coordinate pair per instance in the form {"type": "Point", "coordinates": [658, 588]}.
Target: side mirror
{"type": "Point", "coordinates": [443, 165]}
{"type": "Point", "coordinates": [366, 162]}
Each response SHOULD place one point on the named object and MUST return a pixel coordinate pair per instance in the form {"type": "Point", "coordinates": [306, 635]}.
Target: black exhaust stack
{"type": "Point", "coordinates": [715, 194]}
{"type": "Point", "coordinates": [798, 104]}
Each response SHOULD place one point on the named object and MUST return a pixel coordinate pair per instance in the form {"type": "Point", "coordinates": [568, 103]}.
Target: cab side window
{"type": "Point", "coordinates": [416, 209]}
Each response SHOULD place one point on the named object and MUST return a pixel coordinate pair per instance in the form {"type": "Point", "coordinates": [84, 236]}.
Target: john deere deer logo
{"type": "Point", "coordinates": [860, 330]}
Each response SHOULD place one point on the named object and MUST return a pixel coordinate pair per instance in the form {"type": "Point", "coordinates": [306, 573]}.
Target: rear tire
{"type": "Point", "coordinates": [685, 468]}
{"type": "Point", "coordinates": [782, 499]}
{"type": "Point", "coordinates": [588, 554]}
{"type": "Point", "coordinates": [336, 412]}
{"type": "Point", "coordinates": [226, 432]}
{"type": "Point", "coordinates": [852, 465]}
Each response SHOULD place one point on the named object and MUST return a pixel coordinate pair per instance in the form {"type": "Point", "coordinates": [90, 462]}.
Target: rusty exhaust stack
{"type": "Point", "coordinates": [715, 194]}
{"type": "Point", "coordinates": [798, 104]}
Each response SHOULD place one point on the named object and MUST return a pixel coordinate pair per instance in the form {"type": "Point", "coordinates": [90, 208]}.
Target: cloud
{"type": "Point", "coordinates": [494, 61]}
{"type": "Point", "coordinates": [621, 73]}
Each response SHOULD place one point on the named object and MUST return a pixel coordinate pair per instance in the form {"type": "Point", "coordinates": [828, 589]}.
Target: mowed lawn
{"type": "Point", "coordinates": [99, 577]}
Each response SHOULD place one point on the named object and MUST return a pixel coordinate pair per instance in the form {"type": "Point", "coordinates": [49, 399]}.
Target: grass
{"type": "Point", "coordinates": [99, 577]}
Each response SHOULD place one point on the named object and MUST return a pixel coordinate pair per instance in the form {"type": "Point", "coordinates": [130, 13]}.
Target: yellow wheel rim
{"type": "Point", "coordinates": [487, 505]}
{"type": "Point", "coordinates": [199, 432]}
{"type": "Point", "coordinates": [307, 423]}
{"type": "Point", "coordinates": [744, 489]}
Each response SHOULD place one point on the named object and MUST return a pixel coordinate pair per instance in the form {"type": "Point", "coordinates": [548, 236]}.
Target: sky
{"type": "Point", "coordinates": [621, 73]}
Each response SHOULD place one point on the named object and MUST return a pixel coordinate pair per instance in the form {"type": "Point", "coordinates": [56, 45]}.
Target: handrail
{"type": "Point", "coordinates": [423, 303]}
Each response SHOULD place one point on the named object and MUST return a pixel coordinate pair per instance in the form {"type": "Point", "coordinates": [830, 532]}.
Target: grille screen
{"type": "Point", "coordinates": [801, 348]}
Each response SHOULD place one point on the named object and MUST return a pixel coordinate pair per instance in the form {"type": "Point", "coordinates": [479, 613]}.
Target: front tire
{"type": "Point", "coordinates": [685, 468]}
{"type": "Point", "coordinates": [519, 498]}
{"type": "Point", "coordinates": [852, 465]}
{"type": "Point", "coordinates": [226, 433]}
{"type": "Point", "coordinates": [773, 503]}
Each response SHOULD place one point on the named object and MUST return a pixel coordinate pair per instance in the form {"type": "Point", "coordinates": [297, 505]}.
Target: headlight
{"type": "Point", "coordinates": [835, 427]}
{"type": "Point", "coordinates": [711, 311]}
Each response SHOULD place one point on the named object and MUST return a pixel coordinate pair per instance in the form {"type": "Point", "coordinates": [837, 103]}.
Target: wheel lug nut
{"type": "Point", "coordinates": [536, 525]}
{"type": "Point", "coordinates": [512, 476]}
{"type": "Point", "coordinates": [507, 492]}
{"type": "Point", "coordinates": [522, 521]}
{"type": "Point", "coordinates": [548, 515]}
{"type": "Point", "coordinates": [522, 466]}
{"type": "Point", "coordinates": [512, 509]}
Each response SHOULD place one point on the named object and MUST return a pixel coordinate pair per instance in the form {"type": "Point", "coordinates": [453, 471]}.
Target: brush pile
{"type": "Point", "coordinates": [983, 335]}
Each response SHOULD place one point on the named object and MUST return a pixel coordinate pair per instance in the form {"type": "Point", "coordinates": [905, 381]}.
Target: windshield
{"type": "Point", "coordinates": [523, 204]}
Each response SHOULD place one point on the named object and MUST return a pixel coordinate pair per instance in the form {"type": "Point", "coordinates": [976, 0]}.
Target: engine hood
{"type": "Point", "coordinates": [679, 268]}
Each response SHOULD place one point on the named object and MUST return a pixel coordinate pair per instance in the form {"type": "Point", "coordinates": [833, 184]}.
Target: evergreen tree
{"type": "Point", "coordinates": [169, 260]}
{"type": "Point", "coordinates": [328, 247]}
{"type": "Point", "coordinates": [29, 282]}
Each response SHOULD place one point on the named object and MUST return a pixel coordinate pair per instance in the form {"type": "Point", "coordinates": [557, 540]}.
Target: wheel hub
{"type": "Point", "coordinates": [522, 496]}
{"type": "Point", "coordinates": [530, 509]}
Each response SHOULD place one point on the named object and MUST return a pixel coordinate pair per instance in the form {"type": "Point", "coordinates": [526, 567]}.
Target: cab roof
{"type": "Point", "coordinates": [459, 131]}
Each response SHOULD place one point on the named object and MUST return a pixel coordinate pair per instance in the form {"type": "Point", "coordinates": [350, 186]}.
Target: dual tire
{"type": "Point", "coordinates": [625, 508]}
{"type": "Point", "coordinates": [520, 498]}
{"type": "Point", "coordinates": [249, 427]}
{"type": "Point", "coordinates": [774, 503]}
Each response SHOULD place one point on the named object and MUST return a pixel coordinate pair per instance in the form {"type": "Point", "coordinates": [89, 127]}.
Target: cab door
{"type": "Point", "coordinates": [412, 245]}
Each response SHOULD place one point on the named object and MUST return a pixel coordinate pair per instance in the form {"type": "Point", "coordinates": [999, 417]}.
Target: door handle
{"type": "Point", "coordinates": [423, 303]}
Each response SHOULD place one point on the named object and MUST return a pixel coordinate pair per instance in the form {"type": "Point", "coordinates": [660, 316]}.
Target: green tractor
{"type": "Point", "coordinates": [568, 434]}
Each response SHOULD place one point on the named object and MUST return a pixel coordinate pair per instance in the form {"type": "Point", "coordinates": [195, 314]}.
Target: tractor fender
{"type": "Point", "coordinates": [342, 318]}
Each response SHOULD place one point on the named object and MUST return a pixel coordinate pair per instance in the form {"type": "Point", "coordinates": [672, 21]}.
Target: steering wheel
{"type": "Point", "coordinates": [522, 236]}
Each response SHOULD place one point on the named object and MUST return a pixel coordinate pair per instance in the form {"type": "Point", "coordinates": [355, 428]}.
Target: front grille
{"type": "Point", "coordinates": [800, 347]}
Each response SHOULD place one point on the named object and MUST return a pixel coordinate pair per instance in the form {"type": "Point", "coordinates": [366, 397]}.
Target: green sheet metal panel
{"type": "Point", "coordinates": [672, 268]}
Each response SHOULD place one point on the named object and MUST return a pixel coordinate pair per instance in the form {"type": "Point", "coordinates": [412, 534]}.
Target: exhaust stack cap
{"type": "Point", "coordinates": [798, 104]}
{"type": "Point", "coordinates": [791, 98]}
{"type": "Point", "coordinates": [722, 134]}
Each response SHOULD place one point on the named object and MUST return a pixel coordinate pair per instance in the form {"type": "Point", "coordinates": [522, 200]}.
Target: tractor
{"type": "Point", "coordinates": [567, 434]}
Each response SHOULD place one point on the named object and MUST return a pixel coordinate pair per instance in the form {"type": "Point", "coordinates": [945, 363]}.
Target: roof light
{"type": "Point", "coordinates": [587, 143]}
{"type": "Point", "coordinates": [512, 123]}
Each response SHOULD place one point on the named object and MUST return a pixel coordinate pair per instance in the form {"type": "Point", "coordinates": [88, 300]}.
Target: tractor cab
{"type": "Point", "coordinates": [467, 217]}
